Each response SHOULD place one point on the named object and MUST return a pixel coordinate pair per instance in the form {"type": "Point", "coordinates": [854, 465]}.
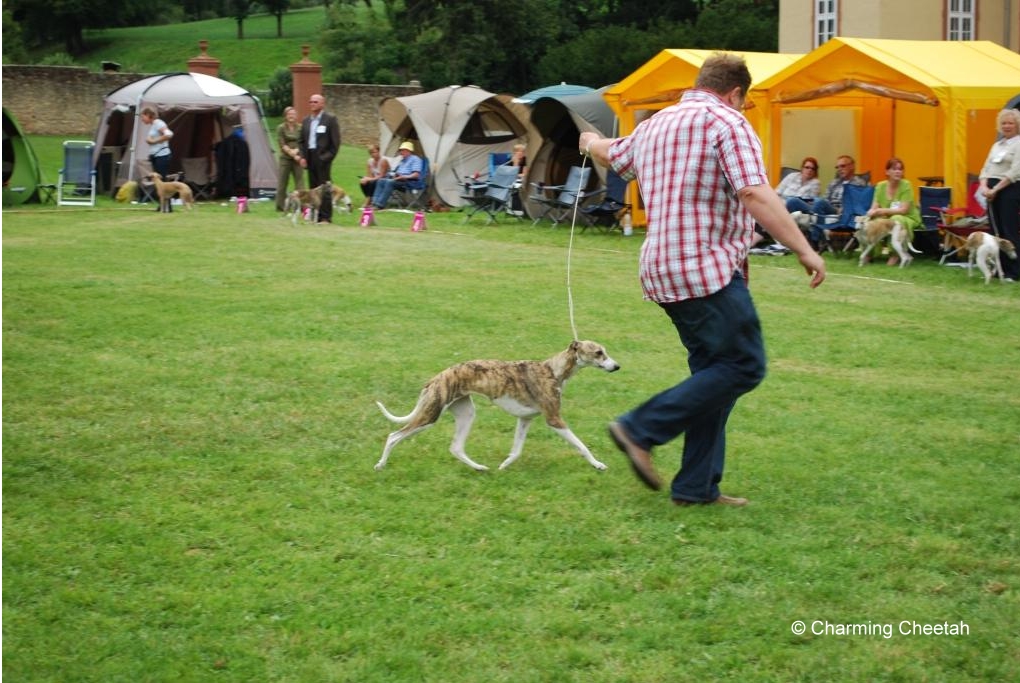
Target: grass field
{"type": "Point", "coordinates": [189, 440]}
{"type": "Point", "coordinates": [249, 62]}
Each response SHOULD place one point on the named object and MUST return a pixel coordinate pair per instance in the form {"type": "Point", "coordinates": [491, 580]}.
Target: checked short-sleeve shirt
{"type": "Point", "coordinates": [690, 160]}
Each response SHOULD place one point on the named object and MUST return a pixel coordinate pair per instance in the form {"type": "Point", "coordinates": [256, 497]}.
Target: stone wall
{"type": "Point", "coordinates": [68, 101]}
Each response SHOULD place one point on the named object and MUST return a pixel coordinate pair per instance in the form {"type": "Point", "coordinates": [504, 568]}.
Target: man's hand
{"type": "Point", "coordinates": [768, 209]}
{"type": "Point", "coordinates": [814, 264]}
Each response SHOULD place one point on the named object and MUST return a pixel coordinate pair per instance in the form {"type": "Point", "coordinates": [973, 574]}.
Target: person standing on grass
{"type": "Point", "coordinates": [158, 138]}
{"type": "Point", "coordinates": [700, 168]}
{"type": "Point", "coordinates": [320, 142]}
{"type": "Point", "coordinates": [288, 139]}
{"type": "Point", "coordinates": [1000, 185]}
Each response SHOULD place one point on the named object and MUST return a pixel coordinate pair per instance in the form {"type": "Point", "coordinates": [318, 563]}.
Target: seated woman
{"type": "Point", "coordinates": [894, 198]}
{"type": "Point", "coordinates": [801, 185]}
{"type": "Point", "coordinates": [376, 167]}
{"type": "Point", "coordinates": [518, 159]}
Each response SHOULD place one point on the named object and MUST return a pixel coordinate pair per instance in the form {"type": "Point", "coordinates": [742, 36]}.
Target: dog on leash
{"type": "Point", "coordinates": [166, 189]}
{"type": "Point", "coordinates": [525, 389]}
{"type": "Point", "coordinates": [298, 200]}
{"type": "Point", "coordinates": [869, 232]}
{"type": "Point", "coordinates": [986, 250]}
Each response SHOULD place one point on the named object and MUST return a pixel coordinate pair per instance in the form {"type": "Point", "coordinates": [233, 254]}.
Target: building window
{"type": "Point", "coordinates": [960, 20]}
{"type": "Point", "coordinates": [825, 20]}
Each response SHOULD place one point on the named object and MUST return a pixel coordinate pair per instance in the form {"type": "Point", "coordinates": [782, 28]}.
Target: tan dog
{"type": "Point", "coordinates": [298, 200]}
{"type": "Point", "coordinates": [166, 189]}
{"type": "Point", "coordinates": [525, 389]}
{"type": "Point", "coordinates": [986, 250]}
{"type": "Point", "coordinates": [871, 232]}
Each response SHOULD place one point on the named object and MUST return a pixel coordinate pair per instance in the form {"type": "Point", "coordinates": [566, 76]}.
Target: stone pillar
{"type": "Point", "coordinates": [307, 77]}
{"type": "Point", "coordinates": [203, 63]}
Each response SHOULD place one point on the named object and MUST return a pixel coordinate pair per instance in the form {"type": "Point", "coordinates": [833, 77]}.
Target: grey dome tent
{"type": "Point", "coordinates": [21, 168]}
{"type": "Point", "coordinates": [455, 128]}
{"type": "Point", "coordinates": [201, 111]}
{"type": "Point", "coordinates": [560, 120]}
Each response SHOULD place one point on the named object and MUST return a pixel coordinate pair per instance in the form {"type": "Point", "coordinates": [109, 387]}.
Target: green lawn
{"type": "Point", "coordinates": [249, 62]}
{"type": "Point", "coordinates": [190, 433]}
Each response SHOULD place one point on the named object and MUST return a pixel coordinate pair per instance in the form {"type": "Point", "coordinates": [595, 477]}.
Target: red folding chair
{"type": "Point", "coordinates": [957, 224]}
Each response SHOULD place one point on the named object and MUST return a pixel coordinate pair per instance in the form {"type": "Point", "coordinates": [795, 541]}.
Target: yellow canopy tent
{"type": "Point", "coordinates": [931, 103]}
{"type": "Point", "coordinates": [661, 81]}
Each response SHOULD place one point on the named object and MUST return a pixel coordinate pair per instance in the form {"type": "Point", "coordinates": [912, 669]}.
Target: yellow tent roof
{"type": "Point", "coordinates": [972, 68]}
{"type": "Point", "coordinates": [931, 103]}
{"type": "Point", "coordinates": [659, 82]}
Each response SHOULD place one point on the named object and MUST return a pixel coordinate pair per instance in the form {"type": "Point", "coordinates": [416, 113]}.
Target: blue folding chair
{"type": "Point", "coordinates": [606, 214]}
{"type": "Point", "coordinates": [497, 159]}
{"type": "Point", "coordinates": [559, 200]}
{"type": "Point", "coordinates": [76, 184]}
{"type": "Point", "coordinates": [497, 195]}
{"type": "Point", "coordinates": [932, 201]}
{"type": "Point", "coordinates": [838, 236]}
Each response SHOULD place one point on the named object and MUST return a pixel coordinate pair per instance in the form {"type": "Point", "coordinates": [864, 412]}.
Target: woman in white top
{"type": "Point", "coordinates": [1000, 184]}
{"type": "Point", "coordinates": [802, 184]}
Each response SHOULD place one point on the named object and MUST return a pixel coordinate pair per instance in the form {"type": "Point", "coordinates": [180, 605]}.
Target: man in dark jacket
{"type": "Point", "coordinates": [320, 141]}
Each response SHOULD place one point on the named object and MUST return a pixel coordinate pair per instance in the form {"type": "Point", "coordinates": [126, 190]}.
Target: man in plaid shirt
{"type": "Point", "coordinates": [700, 169]}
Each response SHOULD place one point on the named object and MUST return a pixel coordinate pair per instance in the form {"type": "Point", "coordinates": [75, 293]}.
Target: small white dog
{"type": "Point", "coordinates": [525, 389]}
{"type": "Point", "coordinates": [871, 231]}
{"type": "Point", "coordinates": [803, 220]}
{"type": "Point", "coordinates": [986, 251]}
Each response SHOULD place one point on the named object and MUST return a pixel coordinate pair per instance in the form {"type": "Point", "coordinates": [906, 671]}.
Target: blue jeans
{"type": "Point", "coordinates": [819, 206]}
{"type": "Point", "coordinates": [384, 187]}
{"type": "Point", "coordinates": [726, 357]}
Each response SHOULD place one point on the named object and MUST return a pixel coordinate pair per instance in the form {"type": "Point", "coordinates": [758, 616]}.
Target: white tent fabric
{"type": "Point", "coordinates": [455, 128]}
{"type": "Point", "coordinates": [201, 110]}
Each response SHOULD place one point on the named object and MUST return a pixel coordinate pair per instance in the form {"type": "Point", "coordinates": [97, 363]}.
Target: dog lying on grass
{"type": "Point", "coordinates": [872, 231]}
{"type": "Point", "coordinates": [525, 389]}
{"type": "Point", "coordinates": [299, 200]}
{"type": "Point", "coordinates": [167, 189]}
{"type": "Point", "coordinates": [986, 251]}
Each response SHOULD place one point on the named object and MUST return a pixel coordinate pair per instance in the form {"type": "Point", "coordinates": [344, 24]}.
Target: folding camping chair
{"type": "Point", "coordinates": [837, 236]}
{"type": "Point", "coordinates": [495, 196]}
{"type": "Point", "coordinates": [413, 195]}
{"type": "Point", "coordinates": [606, 214]}
{"type": "Point", "coordinates": [931, 201]}
{"type": "Point", "coordinates": [198, 177]}
{"type": "Point", "coordinates": [76, 184]}
{"type": "Point", "coordinates": [559, 200]}
{"type": "Point", "coordinates": [497, 159]}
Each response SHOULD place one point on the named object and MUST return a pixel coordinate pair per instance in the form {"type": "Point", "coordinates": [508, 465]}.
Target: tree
{"type": "Point", "coordinates": [747, 25]}
{"type": "Point", "coordinates": [13, 44]}
{"type": "Point", "coordinates": [65, 20]}
{"type": "Point", "coordinates": [240, 10]}
{"type": "Point", "coordinates": [277, 8]}
{"type": "Point", "coordinates": [362, 47]}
